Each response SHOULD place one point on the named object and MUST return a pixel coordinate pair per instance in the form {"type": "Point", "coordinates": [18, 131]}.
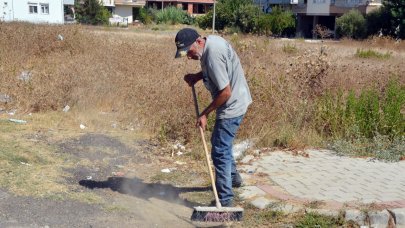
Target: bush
{"type": "Point", "coordinates": [145, 16]}
{"type": "Point", "coordinates": [264, 25]}
{"type": "Point", "coordinates": [278, 23]}
{"type": "Point", "coordinates": [378, 22]}
{"type": "Point", "coordinates": [92, 12]}
{"type": "Point", "coordinates": [170, 15]}
{"type": "Point", "coordinates": [368, 114]}
{"type": "Point", "coordinates": [352, 25]}
{"type": "Point", "coordinates": [396, 11]}
{"type": "Point", "coordinates": [388, 20]}
{"type": "Point", "coordinates": [281, 21]}
{"type": "Point", "coordinates": [370, 124]}
{"type": "Point", "coordinates": [204, 21]}
{"type": "Point", "coordinates": [245, 17]}
{"type": "Point", "coordinates": [232, 13]}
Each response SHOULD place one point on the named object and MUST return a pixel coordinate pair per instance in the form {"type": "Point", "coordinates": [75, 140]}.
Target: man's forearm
{"type": "Point", "coordinates": [218, 101]}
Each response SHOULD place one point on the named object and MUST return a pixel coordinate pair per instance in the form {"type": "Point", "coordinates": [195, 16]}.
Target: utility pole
{"type": "Point", "coordinates": [213, 20]}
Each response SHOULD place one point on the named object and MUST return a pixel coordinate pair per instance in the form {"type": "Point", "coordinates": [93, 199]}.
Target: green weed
{"type": "Point", "coordinates": [372, 54]}
{"type": "Point", "coordinates": [368, 114]}
{"type": "Point", "coordinates": [317, 220]}
{"type": "Point", "coordinates": [290, 48]}
{"type": "Point", "coordinates": [370, 124]}
{"type": "Point", "coordinates": [255, 217]}
{"type": "Point", "coordinates": [170, 15]}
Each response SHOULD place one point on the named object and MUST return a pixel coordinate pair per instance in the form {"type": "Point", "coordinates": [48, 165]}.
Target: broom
{"type": "Point", "coordinates": [216, 214]}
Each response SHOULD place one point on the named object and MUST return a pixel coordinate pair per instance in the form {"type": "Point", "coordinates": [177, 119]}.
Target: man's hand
{"type": "Point", "coordinates": [191, 79]}
{"type": "Point", "coordinates": [202, 122]}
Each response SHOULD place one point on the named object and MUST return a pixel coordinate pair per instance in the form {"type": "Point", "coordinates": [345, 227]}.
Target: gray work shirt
{"type": "Point", "coordinates": [221, 66]}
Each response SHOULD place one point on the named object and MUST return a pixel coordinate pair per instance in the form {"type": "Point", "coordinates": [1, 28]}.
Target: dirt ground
{"type": "Point", "coordinates": [115, 175]}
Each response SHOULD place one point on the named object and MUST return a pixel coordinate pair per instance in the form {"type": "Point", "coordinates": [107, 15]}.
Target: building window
{"type": "Point", "coordinates": [319, 1]}
{"type": "Point", "coordinates": [33, 7]}
{"type": "Point", "coordinates": [45, 8]}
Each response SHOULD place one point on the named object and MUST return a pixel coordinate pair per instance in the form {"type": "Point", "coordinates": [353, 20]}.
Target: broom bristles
{"type": "Point", "coordinates": [213, 214]}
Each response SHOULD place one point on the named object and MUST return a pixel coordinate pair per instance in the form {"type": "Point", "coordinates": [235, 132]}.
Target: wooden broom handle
{"type": "Point", "coordinates": [214, 188]}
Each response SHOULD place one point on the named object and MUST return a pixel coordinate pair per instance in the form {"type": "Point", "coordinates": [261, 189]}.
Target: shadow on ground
{"type": "Point", "coordinates": [136, 187]}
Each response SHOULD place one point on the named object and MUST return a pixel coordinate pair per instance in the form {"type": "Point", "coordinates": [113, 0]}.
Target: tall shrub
{"type": "Point", "coordinates": [396, 10]}
{"type": "Point", "coordinates": [245, 17]}
{"type": "Point", "coordinates": [352, 25]}
{"type": "Point", "coordinates": [281, 21]}
{"type": "Point", "coordinates": [232, 13]}
{"type": "Point", "coordinates": [378, 22]}
{"type": "Point", "coordinates": [145, 16]}
{"type": "Point", "coordinates": [91, 12]}
{"type": "Point", "coordinates": [278, 22]}
{"type": "Point", "coordinates": [170, 15]}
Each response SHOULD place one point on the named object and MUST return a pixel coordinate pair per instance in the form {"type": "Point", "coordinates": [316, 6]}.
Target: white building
{"type": "Point", "coordinates": [35, 11]}
{"type": "Point", "coordinates": [125, 10]}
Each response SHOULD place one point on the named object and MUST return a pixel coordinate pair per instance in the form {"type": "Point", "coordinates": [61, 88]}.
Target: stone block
{"type": "Point", "coordinates": [248, 168]}
{"type": "Point", "coordinates": [262, 202]}
{"type": "Point", "coordinates": [249, 192]}
{"type": "Point", "coordinates": [379, 218]}
{"type": "Point", "coordinates": [289, 208]}
{"type": "Point", "coordinates": [247, 159]}
{"type": "Point", "coordinates": [399, 216]}
{"type": "Point", "coordinates": [355, 216]}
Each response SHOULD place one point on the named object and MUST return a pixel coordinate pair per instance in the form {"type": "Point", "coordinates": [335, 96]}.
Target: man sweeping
{"type": "Point", "coordinates": [223, 76]}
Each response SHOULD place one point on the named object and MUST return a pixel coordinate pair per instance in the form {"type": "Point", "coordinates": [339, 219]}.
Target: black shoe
{"type": "Point", "coordinates": [229, 203]}
{"type": "Point", "coordinates": [236, 180]}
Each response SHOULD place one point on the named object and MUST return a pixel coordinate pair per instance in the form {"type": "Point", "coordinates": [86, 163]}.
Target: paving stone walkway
{"type": "Point", "coordinates": [322, 176]}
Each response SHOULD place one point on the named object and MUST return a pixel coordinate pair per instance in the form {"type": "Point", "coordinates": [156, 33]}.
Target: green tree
{"type": "Point", "coordinates": [91, 12]}
{"type": "Point", "coordinates": [396, 10]}
{"type": "Point", "coordinates": [145, 16]}
{"type": "Point", "coordinates": [352, 24]}
{"type": "Point", "coordinates": [378, 21]}
{"type": "Point", "coordinates": [232, 13]}
{"type": "Point", "coordinates": [245, 17]}
{"type": "Point", "coordinates": [278, 22]}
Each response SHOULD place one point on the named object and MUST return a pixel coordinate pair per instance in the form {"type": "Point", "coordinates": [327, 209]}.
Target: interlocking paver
{"type": "Point", "coordinates": [326, 176]}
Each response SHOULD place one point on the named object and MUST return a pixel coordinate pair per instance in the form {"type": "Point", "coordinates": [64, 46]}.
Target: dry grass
{"type": "Point", "coordinates": [131, 77]}
{"type": "Point", "coordinates": [29, 160]}
{"type": "Point", "coordinates": [28, 165]}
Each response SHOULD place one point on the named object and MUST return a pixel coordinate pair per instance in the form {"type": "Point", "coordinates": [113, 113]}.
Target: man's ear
{"type": "Point", "coordinates": [199, 41]}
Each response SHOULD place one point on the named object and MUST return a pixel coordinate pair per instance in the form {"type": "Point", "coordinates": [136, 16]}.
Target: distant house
{"type": "Point", "coordinates": [35, 11]}
{"type": "Point", "coordinates": [124, 10]}
{"type": "Point", "coordinates": [129, 9]}
{"type": "Point", "coordinates": [56, 11]}
{"type": "Point", "coordinates": [323, 12]}
{"type": "Point", "coordinates": [193, 7]}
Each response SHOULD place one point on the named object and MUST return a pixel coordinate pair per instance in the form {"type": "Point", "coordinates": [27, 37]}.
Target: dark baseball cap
{"type": "Point", "coordinates": [184, 39]}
